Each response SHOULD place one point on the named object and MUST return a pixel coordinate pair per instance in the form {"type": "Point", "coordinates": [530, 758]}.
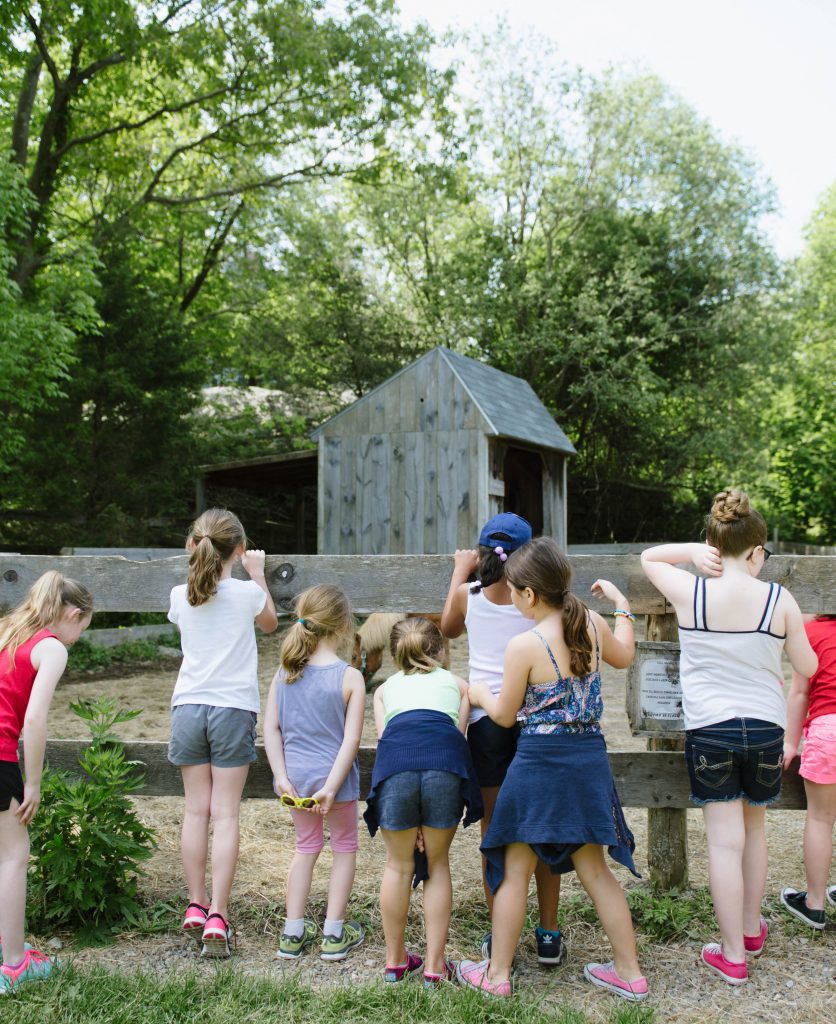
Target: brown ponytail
{"type": "Point", "coordinates": [416, 645]}
{"type": "Point", "coordinates": [733, 526]}
{"type": "Point", "coordinates": [215, 535]}
{"type": "Point", "coordinates": [41, 608]}
{"type": "Point", "coordinates": [543, 567]}
{"type": "Point", "coordinates": [323, 612]}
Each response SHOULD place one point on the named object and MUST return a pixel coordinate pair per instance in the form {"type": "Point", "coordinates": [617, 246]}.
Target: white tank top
{"type": "Point", "coordinates": [489, 628]}
{"type": "Point", "coordinates": [731, 674]}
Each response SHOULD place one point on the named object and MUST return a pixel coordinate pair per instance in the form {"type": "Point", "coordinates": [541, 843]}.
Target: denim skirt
{"type": "Point", "coordinates": [558, 796]}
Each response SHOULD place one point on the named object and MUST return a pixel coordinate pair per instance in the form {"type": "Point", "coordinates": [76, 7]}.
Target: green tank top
{"type": "Point", "coordinates": [421, 691]}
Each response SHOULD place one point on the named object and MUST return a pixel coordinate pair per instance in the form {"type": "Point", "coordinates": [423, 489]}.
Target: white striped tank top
{"type": "Point", "coordinates": [731, 673]}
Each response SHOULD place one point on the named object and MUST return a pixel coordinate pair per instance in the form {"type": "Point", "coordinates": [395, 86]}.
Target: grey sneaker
{"type": "Point", "coordinates": [291, 946]}
{"type": "Point", "coordinates": [336, 947]}
{"type": "Point", "coordinates": [796, 904]}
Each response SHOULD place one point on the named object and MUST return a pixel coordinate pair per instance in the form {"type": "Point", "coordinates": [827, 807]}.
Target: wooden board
{"type": "Point", "coordinates": [643, 779]}
{"type": "Point", "coordinates": [377, 583]}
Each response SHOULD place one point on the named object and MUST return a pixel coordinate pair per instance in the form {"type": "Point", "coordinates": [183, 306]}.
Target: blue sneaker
{"type": "Point", "coordinates": [550, 948]}
{"type": "Point", "coordinates": [35, 966]}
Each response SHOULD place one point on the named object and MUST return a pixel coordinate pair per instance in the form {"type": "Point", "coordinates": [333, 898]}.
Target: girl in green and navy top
{"type": "Point", "coordinates": [423, 780]}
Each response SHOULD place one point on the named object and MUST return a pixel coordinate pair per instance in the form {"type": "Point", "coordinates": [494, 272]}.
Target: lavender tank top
{"type": "Point", "coordinates": [312, 721]}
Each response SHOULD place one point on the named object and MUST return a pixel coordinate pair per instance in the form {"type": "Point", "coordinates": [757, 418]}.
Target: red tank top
{"type": "Point", "coordinates": [822, 636]}
{"type": "Point", "coordinates": [16, 684]}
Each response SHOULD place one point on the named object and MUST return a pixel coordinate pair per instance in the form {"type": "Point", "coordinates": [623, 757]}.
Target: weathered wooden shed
{"type": "Point", "coordinates": [417, 465]}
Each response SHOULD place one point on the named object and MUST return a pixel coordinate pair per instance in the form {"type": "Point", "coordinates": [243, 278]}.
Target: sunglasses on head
{"type": "Point", "coordinates": [302, 803]}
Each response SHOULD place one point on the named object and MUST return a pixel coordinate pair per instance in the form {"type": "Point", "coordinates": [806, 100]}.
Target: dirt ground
{"type": "Point", "coordinates": [793, 981]}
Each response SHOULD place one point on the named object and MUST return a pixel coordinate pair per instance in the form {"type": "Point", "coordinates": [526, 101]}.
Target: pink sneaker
{"type": "Point", "coordinates": [734, 974]}
{"type": "Point", "coordinates": [34, 966]}
{"type": "Point", "coordinates": [398, 972]}
{"type": "Point", "coordinates": [605, 976]}
{"type": "Point", "coordinates": [218, 937]}
{"type": "Point", "coordinates": [475, 975]}
{"type": "Point", "coordinates": [195, 920]}
{"type": "Point", "coordinates": [753, 944]}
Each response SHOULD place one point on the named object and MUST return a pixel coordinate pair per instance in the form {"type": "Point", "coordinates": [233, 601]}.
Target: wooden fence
{"type": "Point", "coordinates": [656, 779]}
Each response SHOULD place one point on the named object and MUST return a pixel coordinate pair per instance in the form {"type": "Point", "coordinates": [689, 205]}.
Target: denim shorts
{"type": "Point", "coordinates": [204, 734]}
{"type": "Point", "coordinates": [740, 759]}
{"type": "Point", "coordinates": [429, 797]}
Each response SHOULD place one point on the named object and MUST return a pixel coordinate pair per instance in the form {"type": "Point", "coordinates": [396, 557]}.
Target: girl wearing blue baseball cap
{"type": "Point", "coordinates": [485, 610]}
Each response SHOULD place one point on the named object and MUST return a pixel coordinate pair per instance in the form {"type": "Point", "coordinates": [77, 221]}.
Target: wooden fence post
{"type": "Point", "coordinates": [667, 827]}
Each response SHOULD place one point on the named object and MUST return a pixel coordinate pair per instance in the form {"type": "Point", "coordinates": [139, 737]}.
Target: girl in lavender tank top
{"type": "Point", "coordinates": [312, 731]}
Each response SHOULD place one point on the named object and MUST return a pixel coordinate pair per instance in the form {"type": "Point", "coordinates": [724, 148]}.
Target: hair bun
{"type": "Point", "coordinates": [730, 505]}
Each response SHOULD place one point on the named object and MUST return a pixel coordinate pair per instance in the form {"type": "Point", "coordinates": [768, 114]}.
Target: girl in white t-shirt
{"type": "Point", "coordinates": [214, 709]}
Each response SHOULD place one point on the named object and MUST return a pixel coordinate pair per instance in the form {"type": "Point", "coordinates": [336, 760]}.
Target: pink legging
{"type": "Point", "coordinates": [342, 825]}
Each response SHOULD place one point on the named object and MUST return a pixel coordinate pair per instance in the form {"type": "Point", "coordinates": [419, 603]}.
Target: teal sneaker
{"type": "Point", "coordinates": [291, 946]}
{"type": "Point", "coordinates": [35, 966]}
{"type": "Point", "coordinates": [336, 947]}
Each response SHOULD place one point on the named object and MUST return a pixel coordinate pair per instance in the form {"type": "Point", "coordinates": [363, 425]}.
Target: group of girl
{"type": "Point", "coordinates": [533, 767]}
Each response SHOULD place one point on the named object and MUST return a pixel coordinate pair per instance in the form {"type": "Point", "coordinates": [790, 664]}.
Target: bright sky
{"type": "Point", "coordinates": [762, 71]}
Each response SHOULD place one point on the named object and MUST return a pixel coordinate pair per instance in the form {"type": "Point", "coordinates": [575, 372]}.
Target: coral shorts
{"type": "Point", "coordinates": [818, 755]}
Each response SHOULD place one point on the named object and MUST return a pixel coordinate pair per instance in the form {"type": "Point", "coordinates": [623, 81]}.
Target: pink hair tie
{"type": "Point", "coordinates": [498, 550]}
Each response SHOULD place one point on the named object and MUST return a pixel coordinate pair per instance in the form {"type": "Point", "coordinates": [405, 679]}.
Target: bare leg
{"type": "Point", "coordinates": [339, 888]}
{"type": "Point", "coordinates": [611, 906]}
{"type": "Point", "coordinates": [14, 861]}
{"type": "Point", "coordinates": [489, 800]}
{"type": "Point", "coordinates": [818, 839]}
{"type": "Point", "coordinates": [754, 866]}
{"type": "Point", "coordinates": [438, 895]}
{"type": "Point", "coordinates": [509, 907]}
{"type": "Point", "coordinates": [395, 890]}
{"type": "Point", "coordinates": [548, 895]}
{"type": "Point", "coordinates": [194, 841]}
{"type": "Point", "coordinates": [227, 787]}
{"type": "Point", "coordinates": [726, 835]}
{"type": "Point", "coordinates": [299, 876]}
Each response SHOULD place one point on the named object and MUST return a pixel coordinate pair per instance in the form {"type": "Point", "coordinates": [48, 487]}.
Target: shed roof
{"type": "Point", "coordinates": [508, 404]}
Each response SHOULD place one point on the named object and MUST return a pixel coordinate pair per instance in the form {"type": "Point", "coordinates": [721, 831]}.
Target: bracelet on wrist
{"type": "Point", "coordinates": [625, 614]}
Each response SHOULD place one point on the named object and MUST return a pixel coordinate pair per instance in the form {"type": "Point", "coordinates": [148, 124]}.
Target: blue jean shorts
{"type": "Point", "coordinates": [410, 799]}
{"type": "Point", "coordinates": [203, 734]}
{"type": "Point", "coordinates": [740, 759]}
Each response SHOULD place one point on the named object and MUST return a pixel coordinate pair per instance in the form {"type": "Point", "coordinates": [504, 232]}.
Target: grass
{"type": "Point", "coordinates": [85, 656]}
{"type": "Point", "coordinates": [98, 996]}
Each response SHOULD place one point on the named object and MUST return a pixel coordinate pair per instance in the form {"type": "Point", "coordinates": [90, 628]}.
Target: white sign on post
{"type": "Point", "coordinates": [660, 694]}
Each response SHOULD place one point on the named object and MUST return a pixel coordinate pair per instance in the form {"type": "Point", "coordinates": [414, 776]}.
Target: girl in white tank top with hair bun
{"type": "Point", "coordinates": [733, 629]}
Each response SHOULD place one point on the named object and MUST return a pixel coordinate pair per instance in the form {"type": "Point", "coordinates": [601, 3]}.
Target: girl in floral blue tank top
{"type": "Point", "coordinates": [558, 801]}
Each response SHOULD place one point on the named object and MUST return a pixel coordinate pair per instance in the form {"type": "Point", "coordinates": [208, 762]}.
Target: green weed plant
{"type": "Point", "coordinates": [87, 840]}
{"type": "Point", "coordinates": [85, 655]}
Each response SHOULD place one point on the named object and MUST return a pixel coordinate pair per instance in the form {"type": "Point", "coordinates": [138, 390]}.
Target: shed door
{"type": "Point", "coordinates": [523, 474]}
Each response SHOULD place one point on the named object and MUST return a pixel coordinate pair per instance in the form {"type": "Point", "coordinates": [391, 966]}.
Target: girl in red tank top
{"type": "Point", "coordinates": [33, 655]}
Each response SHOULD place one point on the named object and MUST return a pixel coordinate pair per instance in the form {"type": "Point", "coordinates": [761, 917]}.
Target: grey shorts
{"type": "Point", "coordinates": [412, 798]}
{"type": "Point", "coordinates": [203, 734]}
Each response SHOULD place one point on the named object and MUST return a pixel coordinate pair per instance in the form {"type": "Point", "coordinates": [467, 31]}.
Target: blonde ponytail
{"type": "Point", "coordinates": [41, 609]}
{"type": "Point", "coordinates": [323, 613]}
{"type": "Point", "coordinates": [416, 645]}
{"type": "Point", "coordinates": [215, 535]}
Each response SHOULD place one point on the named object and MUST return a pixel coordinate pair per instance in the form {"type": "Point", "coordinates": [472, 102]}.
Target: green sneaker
{"type": "Point", "coordinates": [35, 966]}
{"type": "Point", "coordinates": [291, 946]}
{"type": "Point", "coordinates": [336, 947]}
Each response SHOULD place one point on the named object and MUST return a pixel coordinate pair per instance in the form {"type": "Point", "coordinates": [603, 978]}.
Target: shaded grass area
{"type": "Point", "coordinates": [98, 996]}
{"type": "Point", "coordinates": [85, 656]}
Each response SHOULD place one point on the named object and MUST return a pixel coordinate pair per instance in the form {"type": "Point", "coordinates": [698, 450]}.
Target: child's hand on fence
{"type": "Point", "coordinates": [31, 802]}
{"type": "Point", "coordinates": [790, 753]}
{"type": "Point", "coordinates": [465, 561]}
{"type": "Point", "coordinates": [324, 801]}
{"type": "Point", "coordinates": [253, 562]}
{"type": "Point", "coordinates": [608, 591]}
{"type": "Point", "coordinates": [707, 560]}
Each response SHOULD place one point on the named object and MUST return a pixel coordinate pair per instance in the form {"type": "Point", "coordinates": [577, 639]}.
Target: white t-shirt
{"type": "Point", "coordinates": [489, 628]}
{"type": "Point", "coordinates": [220, 661]}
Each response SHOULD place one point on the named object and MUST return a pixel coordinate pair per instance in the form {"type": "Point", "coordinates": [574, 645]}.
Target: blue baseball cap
{"type": "Point", "coordinates": [517, 532]}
